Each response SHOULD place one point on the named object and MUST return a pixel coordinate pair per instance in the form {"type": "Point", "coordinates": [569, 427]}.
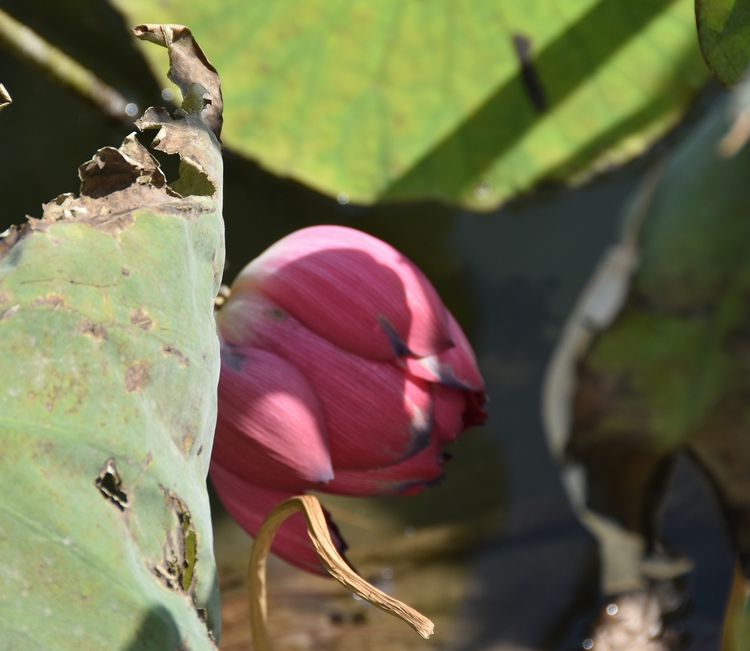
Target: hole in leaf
{"type": "Point", "coordinates": [109, 484]}
{"type": "Point", "coordinates": [169, 163]}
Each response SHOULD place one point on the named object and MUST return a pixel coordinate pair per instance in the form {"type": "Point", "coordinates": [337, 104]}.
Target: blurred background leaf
{"type": "Point", "coordinates": [724, 33]}
{"type": "Point", "coordinates": [670, 373]}
{"type": "Point", "coordinates": [672, 370]}
{"type": "Point", "coordinates": [468, 102]}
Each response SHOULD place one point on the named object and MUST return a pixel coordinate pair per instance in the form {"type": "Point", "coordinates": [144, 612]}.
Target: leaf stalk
{"type": "Point", "coordinates": [32, 48]}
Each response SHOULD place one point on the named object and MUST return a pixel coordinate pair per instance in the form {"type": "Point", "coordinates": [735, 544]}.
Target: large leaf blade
{"type": "Point", "coordinates": [404, 100]}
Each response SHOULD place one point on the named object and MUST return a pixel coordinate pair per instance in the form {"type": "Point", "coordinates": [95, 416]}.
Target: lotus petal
{"type": "Point", "coordinates": [448, 407]}
{"type": "Point", "coordinates": [455, 367]}
{"type": "Point", "coordinates": [353, 290]}
{"type": "Point", "coordinates": [375, 412]}
{"type": "Point", "coordinates": [271, 425]}
{"type": "Point", "coordinates": [475, 404]}
{"type": "Point", "coordinates": [406, 477]}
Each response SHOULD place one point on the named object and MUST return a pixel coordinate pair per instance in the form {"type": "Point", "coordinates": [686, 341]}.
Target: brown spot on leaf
{"type": "Point", "coordinates": [180, 548]}
{"type": "Point", "coordinates": [50, 299]}
{"type": "Point", "coordinates": [141, 319]}
{"type": "Point", "coordinates": [182, 359]}
{"type": "Point", "coordinates": [95, 330]}
{"type": "Point", "coordinates": [136, 376]}
{"type": "Point", "coordinates": [125, 272]}
{"type": "Point", "coordinates": [187, 442]}
{"type": "Point", "coordinates": [6, 314]}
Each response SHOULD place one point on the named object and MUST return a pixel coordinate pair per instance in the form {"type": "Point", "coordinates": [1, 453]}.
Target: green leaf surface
{"type": "Point", "coordinates": [403, 99]}
{"type": "Point", "coordinates": [724, 33]}
{"type": "Point", "coordinates": [108, 390]}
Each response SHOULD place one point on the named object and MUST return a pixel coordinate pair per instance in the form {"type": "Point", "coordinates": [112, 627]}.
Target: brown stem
{"type": "Point", "coordinates": [317, 528]}
{"type": "Point", "coordinates": [29, 46]}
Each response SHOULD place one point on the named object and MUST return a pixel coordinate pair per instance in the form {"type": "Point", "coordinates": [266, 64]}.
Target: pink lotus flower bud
{"type": "Point", "coordinates": [342, 371]}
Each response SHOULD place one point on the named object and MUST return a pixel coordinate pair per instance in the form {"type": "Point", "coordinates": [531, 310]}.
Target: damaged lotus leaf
{"type": "Point", "coordinates": [468, 102]}
{"type": "Point", "coordinates": [108, 390]}
{"type": "Point", "coordinates": [658, 364]}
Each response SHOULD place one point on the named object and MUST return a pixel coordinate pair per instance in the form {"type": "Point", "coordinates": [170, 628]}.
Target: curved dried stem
{"type": "Point", "coordinates": [317, 528]}
{"type": "Point", "coordinates": [29, 46]}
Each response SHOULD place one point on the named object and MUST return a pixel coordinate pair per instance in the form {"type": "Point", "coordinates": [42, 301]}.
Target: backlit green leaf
{"type": "Point", "coordinates": [468, 102]}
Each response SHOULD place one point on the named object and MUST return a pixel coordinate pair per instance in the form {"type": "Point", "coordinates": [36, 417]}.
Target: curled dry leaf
{"type": "Point", "coordinates": [108, 389]}
{"type": "Point", "coordinates": [188, 65]}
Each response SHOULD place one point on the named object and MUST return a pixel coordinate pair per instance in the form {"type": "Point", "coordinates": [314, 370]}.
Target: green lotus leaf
{"type": "Point", "coordinates": [108, 391]}
{"type": "Point", "coordinates": [466, 102]}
